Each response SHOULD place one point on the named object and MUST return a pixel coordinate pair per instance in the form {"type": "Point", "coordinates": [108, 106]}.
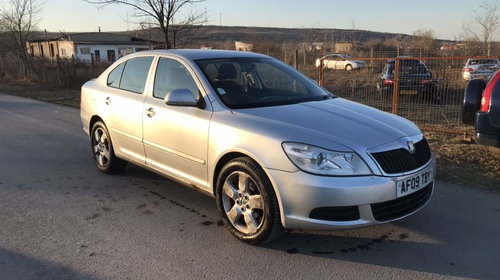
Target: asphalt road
{"type": "Point", "coordinates": [62, 219]}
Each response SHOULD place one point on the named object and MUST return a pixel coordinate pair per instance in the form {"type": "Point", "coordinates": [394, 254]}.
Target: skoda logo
{"type": "Point", "coordinates": [411, 147]}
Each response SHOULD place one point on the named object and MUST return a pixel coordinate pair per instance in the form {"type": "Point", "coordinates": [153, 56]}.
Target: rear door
{"type": "Point", "coordinates": [124, 101]}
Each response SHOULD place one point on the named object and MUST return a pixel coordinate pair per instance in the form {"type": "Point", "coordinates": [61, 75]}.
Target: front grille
{"type": "Point", "coordinates": [402, 206]}
{"type": "Point", "coordinates": [339, 214]}
{"type": "Point", "coordinates": [401, 160]}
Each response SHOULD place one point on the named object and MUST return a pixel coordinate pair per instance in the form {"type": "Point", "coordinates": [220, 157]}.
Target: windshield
{"type": "Point", "coordinates": [259, 82]}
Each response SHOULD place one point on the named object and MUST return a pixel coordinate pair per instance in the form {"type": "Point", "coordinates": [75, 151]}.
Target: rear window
{"type": "Point", "coordinates": [408, 67]}
{"type": "Point", "coordinates": [135, 74]}
{"type": "Point", "coordinates": [482, 61]}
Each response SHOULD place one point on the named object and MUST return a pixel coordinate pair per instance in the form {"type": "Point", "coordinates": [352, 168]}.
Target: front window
{"type": "Point", "coordinates": [259, 82]}
{"type": "Point", "coordinates": [170, 75]}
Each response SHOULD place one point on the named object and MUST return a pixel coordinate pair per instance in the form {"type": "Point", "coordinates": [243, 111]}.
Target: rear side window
{"type": "Point", "coordinates": [131, 75]}
{"type": "Point", "coordinates": [115, 76]}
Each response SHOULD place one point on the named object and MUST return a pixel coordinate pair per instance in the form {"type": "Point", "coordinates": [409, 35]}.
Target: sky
{"type": "Point", "coordinates": [444, 17]}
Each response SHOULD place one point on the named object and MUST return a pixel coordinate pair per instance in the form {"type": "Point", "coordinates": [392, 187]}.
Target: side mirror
{"type": "Point", "coordinates": [183, 97]}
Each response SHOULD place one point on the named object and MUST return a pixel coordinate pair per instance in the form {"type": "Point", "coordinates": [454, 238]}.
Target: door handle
{"type": "Point", "coordinates": [108, 100]}
{"type": "Point", "coordinates": [150, 112]}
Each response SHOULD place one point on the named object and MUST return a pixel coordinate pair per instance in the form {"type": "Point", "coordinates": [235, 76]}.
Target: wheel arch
{"type": "Point", "coordinates": [222, 161]}
{"type": "Point", "coordinates": [93, 120]}
{"type": "Point", "coordinates": [227, 157]}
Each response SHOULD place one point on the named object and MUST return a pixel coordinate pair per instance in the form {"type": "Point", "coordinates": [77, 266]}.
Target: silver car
{"type": "Point", "coordinates": [340, 62]}
{"type": "Point", "coordinates": [480, 68]}
{"type": "Point", "coordinates": [276, 150]}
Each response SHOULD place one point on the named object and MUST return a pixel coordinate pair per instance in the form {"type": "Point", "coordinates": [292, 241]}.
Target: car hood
{"type": "Point", "coordinates": [331, 122]}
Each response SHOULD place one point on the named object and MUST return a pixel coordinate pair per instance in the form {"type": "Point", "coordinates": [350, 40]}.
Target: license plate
{"type": "Point", "coordinates": [482, 77]}
{"type": "Point", "coordinates": [408, 92]}
{"type": "Point", "coordinates": [413, 183]}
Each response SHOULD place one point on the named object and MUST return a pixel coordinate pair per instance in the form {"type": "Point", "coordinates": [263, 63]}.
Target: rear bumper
{"type": "Point", "coordinates": [488, 139]}
{"type": "Point", "coordinates": [485, 132]}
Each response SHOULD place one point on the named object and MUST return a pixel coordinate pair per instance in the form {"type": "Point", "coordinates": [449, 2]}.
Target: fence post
{"type": "Point", "coordinates": [2, 67]}
{"type": "Point", "coordinates": [371, 56]}
{"type": "Point", "coordinates": [92, 74]}
{"type": "Point", "coordinates": [58, 64]}
{"type": "Point", "coordinates": [395, 91]}
{"type": "Point", "coordinates": [321, 80]}
{"type": "Point", "coordinates": [73, 68]}
{"type": "Point", "coordinates": [296, 59]}
{"type": "Point", "coordinates": [43, 70]}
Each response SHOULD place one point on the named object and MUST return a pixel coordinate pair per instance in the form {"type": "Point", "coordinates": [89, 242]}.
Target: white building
{"type": "Point", "coordinates": [102, 46]}
{"type": "Point", "coordinates": [243, 46]}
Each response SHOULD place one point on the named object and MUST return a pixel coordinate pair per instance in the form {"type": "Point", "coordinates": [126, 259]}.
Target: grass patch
{"type": "Point", "coordinates": [66, 97]}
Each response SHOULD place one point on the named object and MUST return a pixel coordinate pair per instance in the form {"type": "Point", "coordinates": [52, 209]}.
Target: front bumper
{"type": "Point", "coordinates": [362, 198]}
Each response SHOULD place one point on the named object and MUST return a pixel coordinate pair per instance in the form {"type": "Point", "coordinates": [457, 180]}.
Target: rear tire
{"type": "Point", "coordinates": [472, 100]}
{"type": "Point", "coordinates": [102, 150]}
{"type": "Point", "coordinates": [247, 202]}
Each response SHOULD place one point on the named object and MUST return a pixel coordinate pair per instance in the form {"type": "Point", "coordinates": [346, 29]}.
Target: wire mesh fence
{"type": "Point", "coordinates": [56, 72]}
{"type": "Point", "coordinates": [427, 90]}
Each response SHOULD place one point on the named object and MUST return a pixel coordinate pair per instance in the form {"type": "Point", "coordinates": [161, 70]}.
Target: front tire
{"type": "Point", "coordinates": [102, 150]}
{"type": "Point", "coordinates": [246, 200]}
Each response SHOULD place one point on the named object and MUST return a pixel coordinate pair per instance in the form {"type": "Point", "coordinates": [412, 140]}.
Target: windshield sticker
{"type": "Point", "coordinates": [221, 91]}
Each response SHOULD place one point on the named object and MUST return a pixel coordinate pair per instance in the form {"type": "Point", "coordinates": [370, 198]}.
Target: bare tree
{"type": "Point", "coordinates": [170, 16]}
{"type": "Point", "coordinates": [423, 40]}
{"type": "Point", "coordinates": [19, 19]}
{"type": "Point", "coordinates": [483, 26]}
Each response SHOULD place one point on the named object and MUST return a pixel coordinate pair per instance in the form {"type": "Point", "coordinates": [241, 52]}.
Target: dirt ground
{"type": "Point", "coordinates": [459, 160]}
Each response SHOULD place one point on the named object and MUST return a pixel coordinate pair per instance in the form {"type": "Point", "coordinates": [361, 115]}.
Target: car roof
{"type": "Point", "coordinates": [405, 58]}
{"type": "Point", "coordinates": [194, 54]}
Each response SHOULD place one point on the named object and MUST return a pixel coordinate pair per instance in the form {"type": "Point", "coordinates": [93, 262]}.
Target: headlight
{"type": "Point", "coordinates": [325, 162]}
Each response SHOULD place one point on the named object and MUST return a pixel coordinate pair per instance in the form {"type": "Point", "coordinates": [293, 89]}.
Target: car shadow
{"type": "Point", "coordinates": [15, 265]}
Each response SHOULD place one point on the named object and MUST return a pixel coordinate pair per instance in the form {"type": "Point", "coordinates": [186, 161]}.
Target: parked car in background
{"type": "Point", "coordinates": [480, 68]}
{"type": "Point", "coordinates": [276, 150]}
{"type": "Point", "coordinates": [481, 108]}
{"type": "Point", "coordinates": [340, 62]}
{"type": "Point", "coordinates": [415, 79]}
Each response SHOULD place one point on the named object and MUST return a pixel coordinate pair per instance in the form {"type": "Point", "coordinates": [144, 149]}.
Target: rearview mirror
{"type": "Point", "coordinates": [183, 97]}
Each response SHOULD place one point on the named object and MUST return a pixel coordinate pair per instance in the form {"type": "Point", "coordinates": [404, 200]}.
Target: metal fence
{"type": "Point", "coordinates": [57, 72]}
{"type": "Point", "coordinates": [433, 102]}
